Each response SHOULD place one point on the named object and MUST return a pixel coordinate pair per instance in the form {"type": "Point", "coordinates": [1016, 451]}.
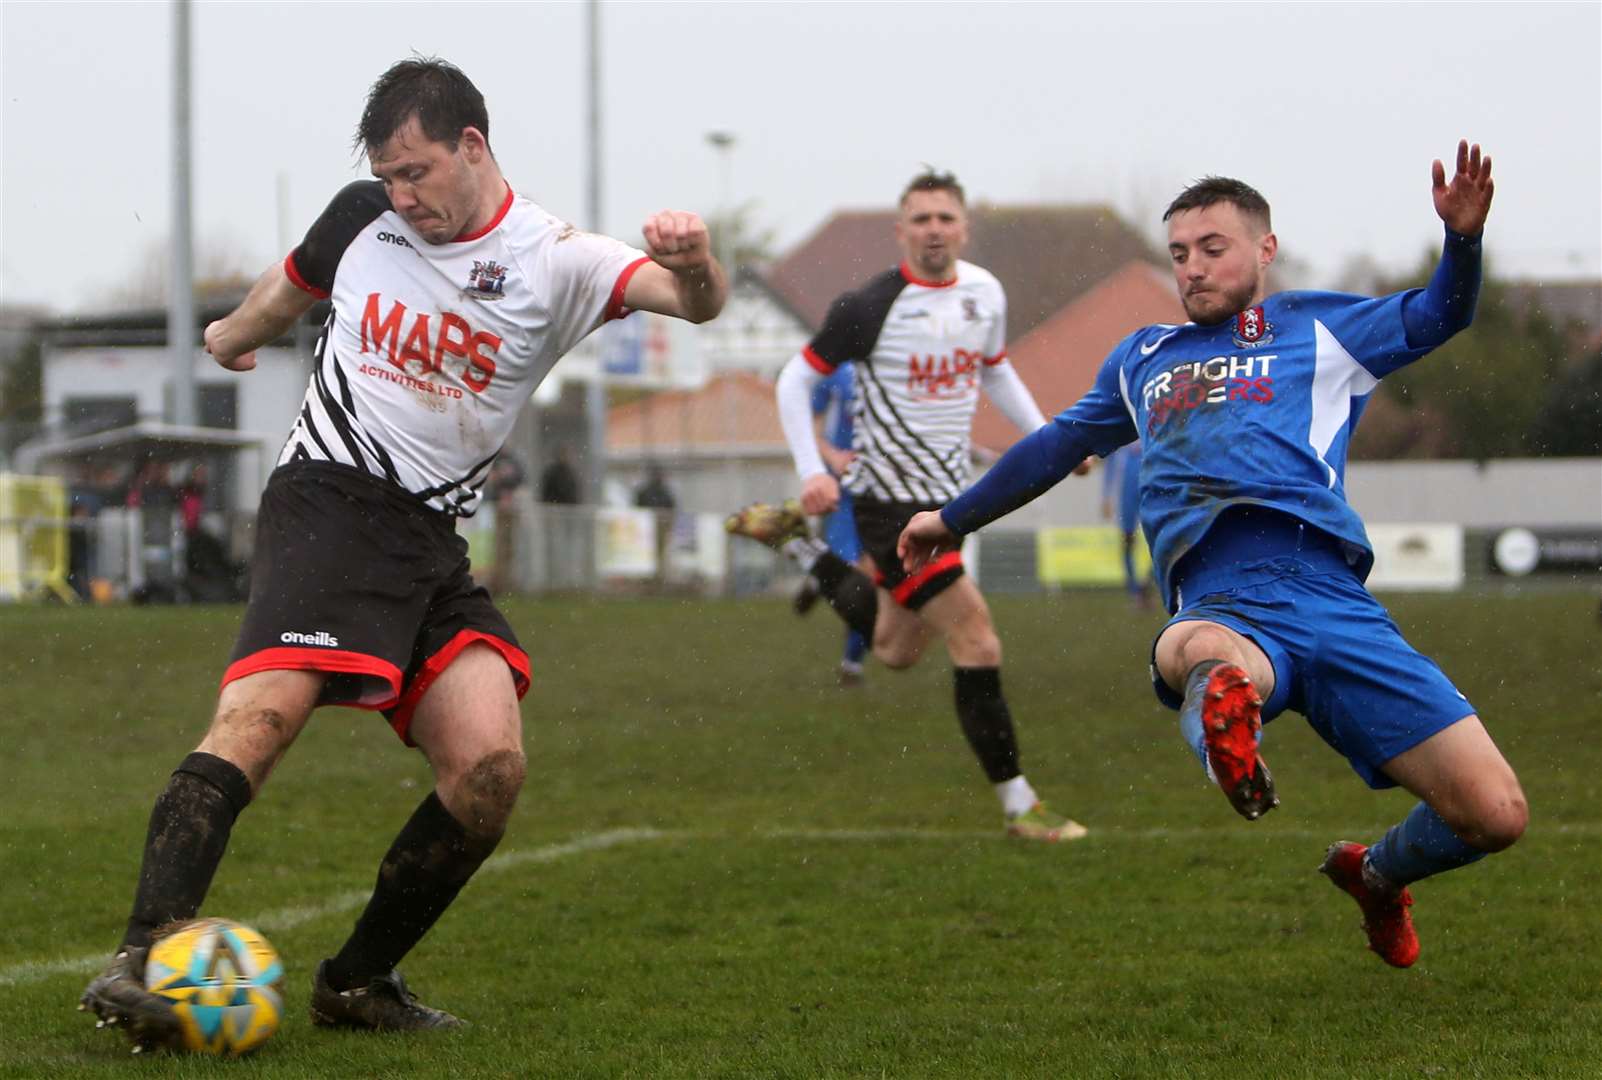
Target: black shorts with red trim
{"type": "Point", "coordinates": [879, 524]}
{"type": "Point", "coordinates": [357, 578]}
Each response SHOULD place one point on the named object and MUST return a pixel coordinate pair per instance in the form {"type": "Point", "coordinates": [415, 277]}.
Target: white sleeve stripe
{"type": "Point", "coordinates": [1337, 378]}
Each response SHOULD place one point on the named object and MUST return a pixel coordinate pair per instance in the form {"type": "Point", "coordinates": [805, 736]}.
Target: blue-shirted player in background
{"type": "Point", "coordinates": [831, 406]}
{"type": "Point", "coordinates": [1245, 413]}
{"type": "Point", "coordinates": [1120, 498]}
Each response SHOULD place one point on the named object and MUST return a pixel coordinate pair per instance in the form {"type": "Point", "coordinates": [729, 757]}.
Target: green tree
{"type": "Point", "coordinates": [1570, 424]}
{"type": "Point", "coordinates": [1488, 386]}
{"type": "Point", "coordinates": [737, 240]}
{"type": "Point", "coordinates": [21, 396]}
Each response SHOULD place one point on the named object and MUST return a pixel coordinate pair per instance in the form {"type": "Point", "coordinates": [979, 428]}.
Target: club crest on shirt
{"type": "Point", "coordinates": [1252, 328]}
{"type": "Point", "coordinates": [486, 281]}
{"type": "Point", "coordinates": [970, 309]}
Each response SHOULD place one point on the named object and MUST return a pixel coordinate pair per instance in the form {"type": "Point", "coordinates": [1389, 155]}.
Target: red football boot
{"type": "Point", "coordinates": [1385, 917]}
{"type": "Point", "coordinates": [1231, 719]}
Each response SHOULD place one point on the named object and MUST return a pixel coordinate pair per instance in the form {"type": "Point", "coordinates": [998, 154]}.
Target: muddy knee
{"type": "Point", "coordinates": [252, 738]}
{"type": "Point", "coordinates": [483, 796]}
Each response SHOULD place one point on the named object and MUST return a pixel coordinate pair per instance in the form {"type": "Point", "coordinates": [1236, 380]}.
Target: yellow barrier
{"type": "Point", "coordinates": [1086, 555]}
{"type": "Point", "coordinates": [33, 538]}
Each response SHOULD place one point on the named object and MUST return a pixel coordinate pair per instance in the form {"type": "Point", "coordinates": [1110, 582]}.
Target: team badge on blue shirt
{"type": "Point", "coordinates": [1252, 328]}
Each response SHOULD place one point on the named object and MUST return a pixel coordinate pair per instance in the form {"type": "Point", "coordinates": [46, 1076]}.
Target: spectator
{"type": "Point", "coordinates": [505, 478]}
{"type": "Point", "coordinates": [654, 494]}
{"type": "Point", "coordinates": [559, 483]}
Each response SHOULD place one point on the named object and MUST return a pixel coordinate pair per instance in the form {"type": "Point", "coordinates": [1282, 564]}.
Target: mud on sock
{"type": "Point", "coordinates": [186, 839]}
{"type": "Point", "coordinates": [849, 592]}
{"type": "Point", "coordinates": [430, 861]}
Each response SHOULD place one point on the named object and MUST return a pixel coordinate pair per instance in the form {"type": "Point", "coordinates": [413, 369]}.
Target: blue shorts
{"type": "Point", "coordinates": [1338, 658]}
{"type": "Point", "coordinates": [840, 530]}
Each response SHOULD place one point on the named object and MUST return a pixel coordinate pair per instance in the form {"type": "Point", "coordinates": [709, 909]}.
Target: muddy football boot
{"type": "Point", "coordinates": [1041, 823]}
{"type": "Point", "coordinates": [768, 524]}
{"type": "Point", "coordinates": [1231, 714]}
{"type": "Point", "coordinates": [384, 1004]}
{"type": "Point", "coordinates": [117, 996]}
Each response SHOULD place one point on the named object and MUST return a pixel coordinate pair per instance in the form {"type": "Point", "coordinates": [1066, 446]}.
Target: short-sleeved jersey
{"type": "Point", "coordinates": [431, 349]}
{"type": "Point", "coordinates": [918, 347]}
{"type": "Point", "coordinates": [1258, 410]}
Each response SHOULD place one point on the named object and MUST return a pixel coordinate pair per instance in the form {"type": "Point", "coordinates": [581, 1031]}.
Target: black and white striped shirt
{"type": "Point", "coordinates": [919, 348]}
{"type": "Point", "coordinates": [431, 349]}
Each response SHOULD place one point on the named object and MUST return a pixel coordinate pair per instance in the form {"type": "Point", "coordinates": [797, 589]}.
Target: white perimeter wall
{"type": "Point", "coordinates": [268, 398]}
{"type": "Point", "coordinates": [1540, 493]}
{"type": "Point", "coordinates": [1546, 493]}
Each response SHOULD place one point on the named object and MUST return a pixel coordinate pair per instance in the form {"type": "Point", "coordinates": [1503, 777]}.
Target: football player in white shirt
{"type": "Point", "coordinates": [926, 337]}
{"type": "Point", "coordinates": [451, 298]}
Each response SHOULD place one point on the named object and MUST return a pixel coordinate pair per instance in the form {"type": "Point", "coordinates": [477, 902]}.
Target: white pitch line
{"type": "Point", "coordinates": [289, 917]}
{"type": "Point", "coordinates": [1226, 827]}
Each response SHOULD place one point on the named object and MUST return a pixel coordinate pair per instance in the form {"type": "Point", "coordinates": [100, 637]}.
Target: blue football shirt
{"type": "Point", "coordinates": [1258, 410]}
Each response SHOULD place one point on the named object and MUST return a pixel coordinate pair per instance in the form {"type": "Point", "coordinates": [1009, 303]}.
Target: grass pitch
{"type": "Point", "coordinates": [723, 865]}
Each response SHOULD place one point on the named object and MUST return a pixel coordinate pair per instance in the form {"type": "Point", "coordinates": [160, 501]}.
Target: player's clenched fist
{"type": "Point", "coordinates": [216, 338]}
{"type": "Point", "coordinates": [678, 240]}
{"type": "Point", "coordinates": [924, 537]}
{"type": "Point", "coordinates": [820, 494]}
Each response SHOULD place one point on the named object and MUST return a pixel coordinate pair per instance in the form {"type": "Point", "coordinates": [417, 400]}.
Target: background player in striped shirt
{"type": "Point", "coordinates": [1245, 413]}
{"type": "Point", "coordinates": [925, 337]}
{"type": "Point", "coordinates": [452, 297]}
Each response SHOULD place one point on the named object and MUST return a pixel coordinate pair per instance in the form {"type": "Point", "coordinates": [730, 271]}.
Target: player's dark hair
{"type": "Point", "coordinates": [435, 91]}
{"type": "Point", "coordinates": [1210, 190]}
{"type": "Point", "coordinates": [931, 180]}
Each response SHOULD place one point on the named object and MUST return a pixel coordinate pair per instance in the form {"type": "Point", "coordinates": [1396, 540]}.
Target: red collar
{"type": "Point", "coordinates": [494, 221]}
{"type": "Point", "coordinates": [913, 279]}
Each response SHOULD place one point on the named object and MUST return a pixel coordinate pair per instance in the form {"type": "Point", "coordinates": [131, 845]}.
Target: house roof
{"type": "Point", "coordinates": [1045, 257]}
{"type": "Point", "coordinates": [1058, 361]}
{"type": "Point", "coordinates": [1059, 358]}
{"type": "Point", "coordinates": [735, 410]}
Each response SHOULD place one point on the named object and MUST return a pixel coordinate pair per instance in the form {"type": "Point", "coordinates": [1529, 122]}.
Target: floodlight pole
{"type": "Point", "coordinates": [595, 391]}
{"type": "Point", "coordinates": [181, 293]}
{"type": "Point", "coordinates": [723, 143]}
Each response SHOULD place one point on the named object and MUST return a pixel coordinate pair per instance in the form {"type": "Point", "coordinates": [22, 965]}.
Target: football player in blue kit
{"type": "Point", "coordinates": [1245, 413]}
{"type": "Point", "coordinates": [1120, 496]}
{"type": "Point", "coordinates": [831, 409]}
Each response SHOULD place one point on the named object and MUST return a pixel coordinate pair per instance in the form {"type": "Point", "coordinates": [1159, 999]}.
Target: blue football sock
{"type": "Point", "coordinates": [856, 647]}
{"type": "Point", "coordinates": [1190, 714]}
{"type": "Point", "coordinates": [1423, 844]}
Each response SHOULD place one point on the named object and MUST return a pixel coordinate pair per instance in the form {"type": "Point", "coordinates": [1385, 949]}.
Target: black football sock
{"type": "Point", "coordinates": [188, 834]}
{"type": "Point", "coordinates": [426, 867]}
{"type": "Point", "coordinates": [987, 722]}
{"type": "Point", "coordinates": [849, 592]}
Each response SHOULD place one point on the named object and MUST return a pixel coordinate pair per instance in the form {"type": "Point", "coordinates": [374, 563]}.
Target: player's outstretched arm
{"type": "Point", "coordinates": [1465, 201]}
{"type": "Point", "coordinates": [268, 312]}
{"type": "Point", "coordinates": [1033, 465]}
{"type": "Point", "coordinates": [683, 279]}
{"type": "Point", "coordinates": [925, 536]}
{"type": "Point", "coordinates": [1446, 305]}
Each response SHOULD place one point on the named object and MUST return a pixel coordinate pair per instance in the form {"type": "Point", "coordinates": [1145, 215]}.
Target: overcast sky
{"type": "Point", "coordinates": [1334, 111]}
